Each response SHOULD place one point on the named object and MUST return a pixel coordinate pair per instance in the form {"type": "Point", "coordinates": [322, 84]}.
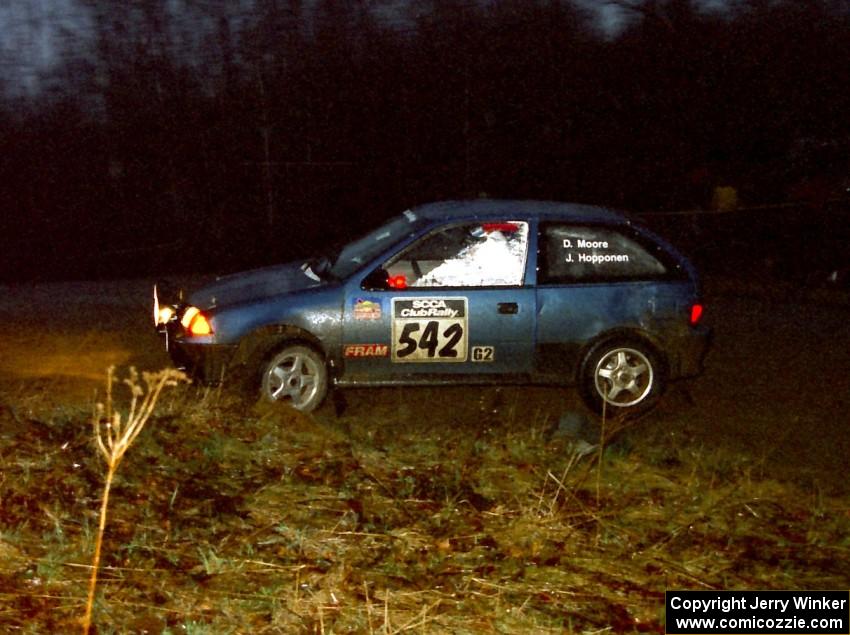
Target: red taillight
{"type": "Point", "coordinates": [696, 313]}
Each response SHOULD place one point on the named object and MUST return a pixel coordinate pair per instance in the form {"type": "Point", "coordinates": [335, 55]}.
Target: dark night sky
{"type": "Point", "coordinates": [168, 138]}
{"type": "Point", "coordinates": [32, 32]}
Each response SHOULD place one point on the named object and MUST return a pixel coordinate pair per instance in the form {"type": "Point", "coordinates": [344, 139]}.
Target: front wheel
{"type": "Point", "coordinates": [624, 375]}
{"type": "Point", "coordinates": [298, 374]}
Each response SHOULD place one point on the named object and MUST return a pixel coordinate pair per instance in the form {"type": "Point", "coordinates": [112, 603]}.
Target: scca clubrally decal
{"type": "Point", "coordinates": [429, 330]}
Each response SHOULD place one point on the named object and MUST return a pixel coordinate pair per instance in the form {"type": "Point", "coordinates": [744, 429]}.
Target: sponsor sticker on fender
{"type": "Point", "coordinates": [429, 330]}
{"type": "Point", "coordinates": [366, 350]}
{"type": "Point", "coordinates": [367, 309]}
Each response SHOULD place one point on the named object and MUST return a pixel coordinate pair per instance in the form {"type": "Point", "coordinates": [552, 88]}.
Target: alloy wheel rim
{"type": "Point", "coordinates": [294, 376]}
{"type": "Point", "coordinates": [624, 377]}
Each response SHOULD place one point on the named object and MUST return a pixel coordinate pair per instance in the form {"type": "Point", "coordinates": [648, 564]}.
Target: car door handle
{"type": "Point", "coordinates": [508, 308]}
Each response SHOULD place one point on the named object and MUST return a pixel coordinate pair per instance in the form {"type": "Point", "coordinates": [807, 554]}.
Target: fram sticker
{"type": "Point", "coordinates": [367, 309]}
{"type": "Point", "coordinates": [366, 350]}
{"type": "Point", "coordinates": [429, 330]}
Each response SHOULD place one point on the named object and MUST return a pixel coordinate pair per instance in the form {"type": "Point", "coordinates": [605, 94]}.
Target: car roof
{"type": "Point", "coordinates": [499, 208]}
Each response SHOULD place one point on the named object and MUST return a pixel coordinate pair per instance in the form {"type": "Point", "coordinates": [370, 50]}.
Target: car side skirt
{"type": "Point", "coordinates": [437, 380]}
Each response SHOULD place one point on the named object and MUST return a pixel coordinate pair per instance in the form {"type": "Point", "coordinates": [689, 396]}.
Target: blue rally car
{"type": "Point", "coordinates": [472, 292]}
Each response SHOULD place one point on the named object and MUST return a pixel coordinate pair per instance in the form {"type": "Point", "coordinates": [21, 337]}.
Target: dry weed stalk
{"type": "Point", "coordinates": [114, 436]}
{"type": "Point", "coordinates": [601, 450]}
{"type": "Point", "coordinates": [610, 427]}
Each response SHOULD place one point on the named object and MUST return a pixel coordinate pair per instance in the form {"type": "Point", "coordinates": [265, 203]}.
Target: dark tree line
{"type": "Point", "coordinates": [201, 134]}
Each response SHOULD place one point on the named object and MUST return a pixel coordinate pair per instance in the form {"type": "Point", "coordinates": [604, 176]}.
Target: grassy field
{"type": "Point", "coordinates": [427, 511]}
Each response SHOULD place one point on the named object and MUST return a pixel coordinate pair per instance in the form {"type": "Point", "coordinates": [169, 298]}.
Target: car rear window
{"type": "Point", "coordinates": [571, 253]}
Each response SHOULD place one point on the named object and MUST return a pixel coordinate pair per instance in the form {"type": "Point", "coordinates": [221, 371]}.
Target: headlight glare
{"type": "Point", "coordinates": [165, 315]}
{"type": "Point", "coordinates": [188, 315]}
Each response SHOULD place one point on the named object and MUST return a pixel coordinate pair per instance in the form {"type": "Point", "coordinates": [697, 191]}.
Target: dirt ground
{"type": "Point", "coordinates": [404, 514]}
{"type": "Point", "coordinates": [776, 386]}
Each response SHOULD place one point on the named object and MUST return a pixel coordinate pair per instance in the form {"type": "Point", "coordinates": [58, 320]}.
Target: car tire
{"type": "Point", "coordinates": [297, 374]}
{"type": "Point", "coordinates": [626, 375]}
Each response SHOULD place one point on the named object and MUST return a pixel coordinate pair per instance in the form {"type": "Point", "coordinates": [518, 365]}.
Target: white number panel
{"type": "Point", "coordinates": [430, 330]}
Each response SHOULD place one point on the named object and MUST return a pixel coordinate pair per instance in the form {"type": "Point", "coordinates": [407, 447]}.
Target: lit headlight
{"type": "Point", "coordinates": [165, 315]}
{"type": "Point", "coordinates": [188, 316]}
{"type": "Point", "coordinates": [162, 314]}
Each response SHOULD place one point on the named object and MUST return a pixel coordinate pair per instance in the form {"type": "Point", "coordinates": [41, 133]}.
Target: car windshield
{"type": "Point", "coordinates": [355, 254]}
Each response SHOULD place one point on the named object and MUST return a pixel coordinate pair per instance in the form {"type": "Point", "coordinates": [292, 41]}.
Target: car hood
{"type": "Point", "coordinates": [253, 285]}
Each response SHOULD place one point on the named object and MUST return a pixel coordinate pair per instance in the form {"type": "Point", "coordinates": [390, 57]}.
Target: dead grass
{"type": "Point", "coordinates": [234, 517]}
{"type": "Point", "coordinates": [114, 434]}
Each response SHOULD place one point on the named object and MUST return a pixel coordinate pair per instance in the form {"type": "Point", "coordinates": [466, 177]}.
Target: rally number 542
{"type": "Point", "coordinates": [429, 330]}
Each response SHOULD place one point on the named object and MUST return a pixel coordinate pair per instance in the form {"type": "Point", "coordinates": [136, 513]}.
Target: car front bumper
{"type": "Point", "coordinates": [202, 360]}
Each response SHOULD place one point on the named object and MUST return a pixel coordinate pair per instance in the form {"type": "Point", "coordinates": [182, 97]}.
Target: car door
{"type": "Point", "coordinates": [592, 280]}
{"type": "Point", "coordinates": [453, 303]}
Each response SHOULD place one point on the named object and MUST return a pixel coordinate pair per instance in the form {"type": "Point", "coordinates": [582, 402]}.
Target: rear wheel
{"type": "Point", "coordinates": [297, 374]}
{"type": "Point", "coordinates": [626, 375]}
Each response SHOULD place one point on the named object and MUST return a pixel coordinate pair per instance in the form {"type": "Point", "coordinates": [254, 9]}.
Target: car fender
{"type": "Point", "coordinates": [314, 314]}
{"type": "Point", "coordinates": [261, 342]}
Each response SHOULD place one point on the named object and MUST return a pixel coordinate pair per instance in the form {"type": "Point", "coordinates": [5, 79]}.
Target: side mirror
{"type": "Point", "coordinates": [378, 280]}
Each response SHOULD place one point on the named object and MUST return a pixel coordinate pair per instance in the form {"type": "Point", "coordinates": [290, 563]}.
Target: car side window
{"type": "Point", "coordinates": [589, 254]}
{"type": "Point", "coordinates": [464, 255]}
